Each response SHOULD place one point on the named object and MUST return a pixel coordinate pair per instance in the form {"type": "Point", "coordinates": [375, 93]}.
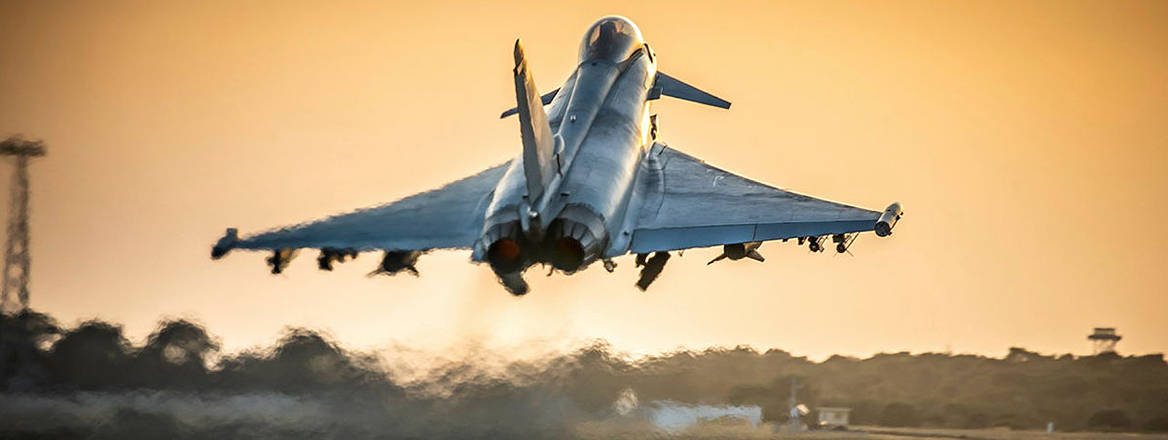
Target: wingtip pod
{"type": "Point", "coordinates": [225, 244]}
{"type": "Point", "coordinates": [888, 220]}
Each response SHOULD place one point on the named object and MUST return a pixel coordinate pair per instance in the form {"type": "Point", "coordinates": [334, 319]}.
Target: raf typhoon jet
{"type": "Point", "coordinates": [592, 183]}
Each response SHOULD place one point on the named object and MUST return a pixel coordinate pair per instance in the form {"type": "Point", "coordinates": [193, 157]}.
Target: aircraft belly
{"type": "Point", "coordinates": [604, 167]}
{"type": "Point", "coordinates": [559, 104]}
{"type": "Point", "coordinates": [601, 173]}
{"type": "Point", "coordinates": [589, 90]}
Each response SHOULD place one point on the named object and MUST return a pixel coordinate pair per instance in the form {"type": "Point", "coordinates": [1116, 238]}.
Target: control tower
{"type": "Point", "coordinates": [1104, 339]}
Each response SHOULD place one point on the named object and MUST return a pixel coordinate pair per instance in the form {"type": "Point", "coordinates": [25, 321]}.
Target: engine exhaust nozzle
{"type": "Point", "coordinates": [567, 254]}
{"type": "Point", "coordinates": [505, 255]}
{"type": "Point", "coordinates": [575, 239]}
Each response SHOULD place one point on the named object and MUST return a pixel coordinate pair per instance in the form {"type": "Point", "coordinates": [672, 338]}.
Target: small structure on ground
{"type": "Point", "coordinates": [675, 416]}
{"type": "Point", "coordinates": [833, 417]}
{"type": "Point", "coordinates": [1104, 339]}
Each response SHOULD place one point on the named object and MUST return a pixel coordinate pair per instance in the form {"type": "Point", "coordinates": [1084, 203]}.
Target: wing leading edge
{"type": "Point", "coordinates": [449, 217]}
{"type": "Point", "coordinates": [689, 204]}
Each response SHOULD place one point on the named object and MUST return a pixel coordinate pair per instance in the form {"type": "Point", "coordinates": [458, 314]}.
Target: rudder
{"type": "Point", "coordinates": [538, 141]}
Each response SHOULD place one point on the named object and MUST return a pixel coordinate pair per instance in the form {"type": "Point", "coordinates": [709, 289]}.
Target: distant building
{"type": "Point", "coordinates": [1104, 339]}
{"type": "Point", "coordinates": [833, 417]}
{"type": "Point", "coordinates": [675, 416]}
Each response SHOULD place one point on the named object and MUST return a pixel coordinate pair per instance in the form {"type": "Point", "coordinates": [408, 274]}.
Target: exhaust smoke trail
{"type": "Point", "coordinates": [91, 382]}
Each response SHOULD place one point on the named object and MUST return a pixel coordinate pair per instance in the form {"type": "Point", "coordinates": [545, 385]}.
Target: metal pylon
{"type": "Point", "coordinates": [17, 258]}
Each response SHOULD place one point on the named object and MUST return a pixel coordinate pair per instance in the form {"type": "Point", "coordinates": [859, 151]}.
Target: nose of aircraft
{"type": "Point", "coordinates": [612, 38]}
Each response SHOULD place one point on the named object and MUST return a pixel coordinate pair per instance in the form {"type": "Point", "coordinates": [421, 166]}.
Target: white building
{"type": "Point", "coordinates": [674, 416]}
{"type": "Point", "coordinates": [833, 417]}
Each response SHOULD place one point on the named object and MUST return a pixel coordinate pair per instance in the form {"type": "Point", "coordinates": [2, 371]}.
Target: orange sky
{"type": "Point", "coordinates": [1026, 141]}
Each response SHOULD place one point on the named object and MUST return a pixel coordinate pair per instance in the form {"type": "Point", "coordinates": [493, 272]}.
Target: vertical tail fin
{"type": "Point", "coordinates": [538, 142]}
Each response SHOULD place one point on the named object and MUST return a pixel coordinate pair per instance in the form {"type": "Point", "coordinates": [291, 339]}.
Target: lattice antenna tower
{"type": "Point", "coordinates": [17, 258]}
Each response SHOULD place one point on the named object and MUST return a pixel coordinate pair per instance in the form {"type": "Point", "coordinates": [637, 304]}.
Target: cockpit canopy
{"type": "Point", "coordinates": [613, 38]}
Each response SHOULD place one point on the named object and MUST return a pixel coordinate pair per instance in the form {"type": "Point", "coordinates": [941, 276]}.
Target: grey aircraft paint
{"type": "Point", "coordinates": [592, 183]}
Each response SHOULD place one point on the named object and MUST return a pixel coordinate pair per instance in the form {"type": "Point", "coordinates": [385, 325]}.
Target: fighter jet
{"type": "Point", "coordinates": [592, 183]}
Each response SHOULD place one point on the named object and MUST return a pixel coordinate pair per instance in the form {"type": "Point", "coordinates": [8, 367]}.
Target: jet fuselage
{"type": "Point", "coordinates": [600, 118]}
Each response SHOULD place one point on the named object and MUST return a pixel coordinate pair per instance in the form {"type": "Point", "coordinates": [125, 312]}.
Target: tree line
{"type": "Point", "coordinates": [1021, 390]}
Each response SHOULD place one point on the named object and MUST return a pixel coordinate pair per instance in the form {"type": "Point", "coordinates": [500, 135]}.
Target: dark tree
{"type": "Point", "coordinates": [1157, 424]}
{"type": "Point", "coordinates": [899, 414]}
{"type": "Point", "coordinates": [1109, 419]}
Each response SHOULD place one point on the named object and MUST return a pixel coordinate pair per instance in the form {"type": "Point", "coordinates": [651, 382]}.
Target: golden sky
{"type": "Point", "coordinates": [1026, 141]}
